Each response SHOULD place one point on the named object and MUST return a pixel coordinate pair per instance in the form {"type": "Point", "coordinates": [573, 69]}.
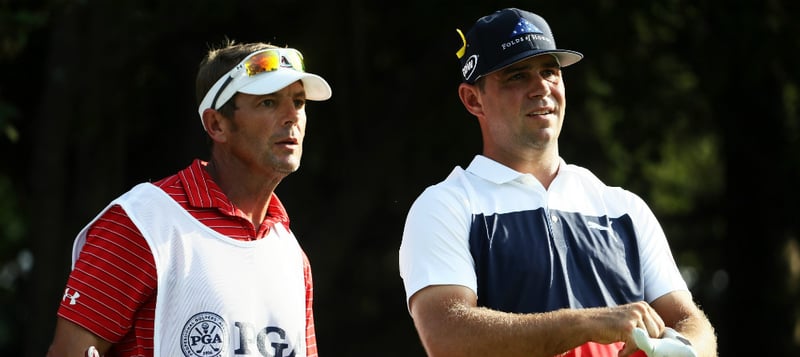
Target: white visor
{"type": "Point", "coordinates": [264, 81]}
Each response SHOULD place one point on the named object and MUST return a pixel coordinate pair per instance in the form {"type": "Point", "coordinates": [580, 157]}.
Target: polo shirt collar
{"type": "Point", "coordinates": [498, 173]}
{"type": "Point", "coordinates": [203, 192]}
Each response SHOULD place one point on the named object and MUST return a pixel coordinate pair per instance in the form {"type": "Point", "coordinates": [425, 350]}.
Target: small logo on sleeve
{"type": "Point", "coordinates": [73, 297]}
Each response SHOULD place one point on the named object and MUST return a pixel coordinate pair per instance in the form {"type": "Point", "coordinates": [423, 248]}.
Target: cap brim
{"type": "Point", "coordinates": [316, 88]}
{"type": "Point", "coordinates": [565, 58]}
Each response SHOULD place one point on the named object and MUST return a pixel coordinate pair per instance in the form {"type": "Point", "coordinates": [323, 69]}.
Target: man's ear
{"type": "Point", "coordinates": [468, 93]}
{"type": "Point", "coordinates": [215, 124]}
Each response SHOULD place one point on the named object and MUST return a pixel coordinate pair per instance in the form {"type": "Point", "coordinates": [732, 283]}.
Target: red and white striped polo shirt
{"type": "Point", "coordinates": [115, 278]}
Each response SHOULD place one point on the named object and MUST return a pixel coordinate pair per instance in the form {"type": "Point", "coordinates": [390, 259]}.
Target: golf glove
{"type": "Point", "coordinates": [672, 344]}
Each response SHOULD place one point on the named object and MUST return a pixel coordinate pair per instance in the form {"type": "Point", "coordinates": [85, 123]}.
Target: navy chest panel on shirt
{"type": "Point", "coordinates": [538, 260]}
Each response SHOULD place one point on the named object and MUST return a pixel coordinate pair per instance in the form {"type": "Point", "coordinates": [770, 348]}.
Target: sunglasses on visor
{"type": "Point", "coordinates": [263, 61]}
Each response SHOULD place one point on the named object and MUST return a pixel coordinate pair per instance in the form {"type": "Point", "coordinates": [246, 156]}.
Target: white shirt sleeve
{"type": "Point", "coordinates": [435, 244]}
{"type": "Point", "coordinates": [659, 270]}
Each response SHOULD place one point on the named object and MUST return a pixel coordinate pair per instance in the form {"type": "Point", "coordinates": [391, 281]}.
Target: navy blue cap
{"type": "Point", "coordinates": [505, 37]}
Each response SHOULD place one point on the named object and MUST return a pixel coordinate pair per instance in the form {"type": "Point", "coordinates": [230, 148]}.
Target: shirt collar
{"type": "Point", "coordinates": [203, 192]}
{"type": "Point", "coordinates": [498, 173]}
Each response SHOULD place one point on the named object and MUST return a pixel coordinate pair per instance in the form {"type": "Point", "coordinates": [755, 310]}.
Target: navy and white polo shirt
{"type": "Point", "coordinates": [523, 248]}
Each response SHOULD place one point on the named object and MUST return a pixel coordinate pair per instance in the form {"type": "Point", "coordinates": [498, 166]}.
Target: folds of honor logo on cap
{"type": "Point", "coordinates": [505, 37]}
{"type": "Point", "coordinates": [263, 72]}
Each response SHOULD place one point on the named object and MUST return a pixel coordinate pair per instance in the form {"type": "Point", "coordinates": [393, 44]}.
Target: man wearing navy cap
{"type": "Point", "coordinates": [204, 263]}
{"type": "Point", "coordinates": [522, 254]}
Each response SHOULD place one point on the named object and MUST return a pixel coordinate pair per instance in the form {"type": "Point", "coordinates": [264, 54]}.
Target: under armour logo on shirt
{"type": "Point", "coordinates": [72, 297]}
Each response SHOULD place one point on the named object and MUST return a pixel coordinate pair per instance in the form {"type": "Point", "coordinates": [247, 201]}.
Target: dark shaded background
{"type": "Point", "coordinates": [691, 104]}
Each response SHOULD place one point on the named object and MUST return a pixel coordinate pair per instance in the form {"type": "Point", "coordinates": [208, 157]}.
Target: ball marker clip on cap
{"type": "Point", "coordinates": [505, 37]}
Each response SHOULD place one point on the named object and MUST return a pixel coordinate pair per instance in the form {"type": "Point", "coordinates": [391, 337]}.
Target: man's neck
{"type": "Point", "coordinates": [249, 192]}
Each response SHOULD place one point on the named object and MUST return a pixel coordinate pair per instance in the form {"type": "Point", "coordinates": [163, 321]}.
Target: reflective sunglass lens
{"type": "Point", "coordinates": [262, 62]}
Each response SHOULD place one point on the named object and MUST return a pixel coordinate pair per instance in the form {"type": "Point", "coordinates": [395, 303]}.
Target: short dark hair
{"type": "Point", "coordinates": [217, 62]}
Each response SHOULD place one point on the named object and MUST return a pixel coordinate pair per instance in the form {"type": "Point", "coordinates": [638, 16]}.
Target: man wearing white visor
{"type": "Point", "coordinates": [203, 262]}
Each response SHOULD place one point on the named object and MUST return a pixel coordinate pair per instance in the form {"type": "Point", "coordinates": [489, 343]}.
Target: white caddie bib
{"type": "Point", "coordinates": [218, 296]}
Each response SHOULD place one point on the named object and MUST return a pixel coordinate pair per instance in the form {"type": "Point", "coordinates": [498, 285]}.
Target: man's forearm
{"type": "Point", "coordinates": [698, 330]}
{"type": "Point", "coordinates": [474, 331]}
